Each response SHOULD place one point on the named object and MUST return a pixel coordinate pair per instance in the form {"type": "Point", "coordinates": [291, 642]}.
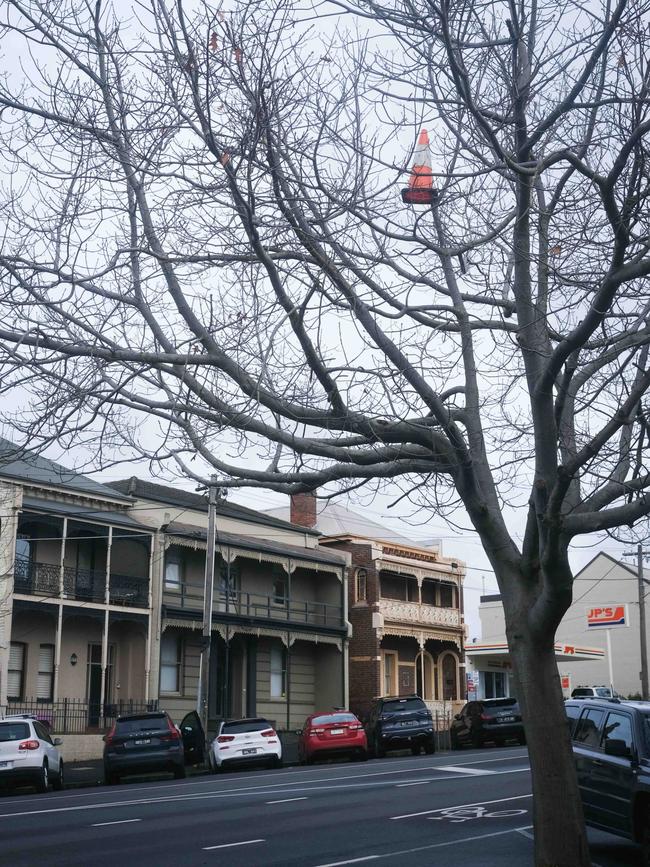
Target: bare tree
{"type": "Point", "coordinates": [206, 255]}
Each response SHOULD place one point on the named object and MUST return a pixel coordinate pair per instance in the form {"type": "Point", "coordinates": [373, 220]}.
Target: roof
{"type": "Point", "coordinates": [145, 490]}
{"type": "Point", "coordinates": [336, 520]}
{"type": "Point", "coordinates": [316, 555]}
{"type": "Point", "coordinates": [81, 513]}
{"type": "Point", "coordinates": [23, 465]}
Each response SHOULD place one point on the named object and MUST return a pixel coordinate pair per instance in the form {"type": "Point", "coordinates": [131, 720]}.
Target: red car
{"type": "Point", "coordinates": [329, 734]}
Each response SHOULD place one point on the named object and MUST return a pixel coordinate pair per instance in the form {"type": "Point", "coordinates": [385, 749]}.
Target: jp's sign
{"type": "Point", "coordinates": [607, 617]}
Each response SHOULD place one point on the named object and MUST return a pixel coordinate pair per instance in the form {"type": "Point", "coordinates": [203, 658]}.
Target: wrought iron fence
{"type": "Point", "coordinates": [89, 585]}
{"type": "Point", "coordinates": [75, 716]}
{"type": "Point", "coordinates": [441, 726]}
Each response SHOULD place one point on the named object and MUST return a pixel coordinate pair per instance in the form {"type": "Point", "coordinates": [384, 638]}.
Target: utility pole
{"type": "Point", "coordinates": [645, 691]}
{"type": "Point", "coordinates": [202, 705]}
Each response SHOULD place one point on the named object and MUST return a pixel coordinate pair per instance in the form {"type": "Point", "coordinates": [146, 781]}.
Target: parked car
{"type": "Point", "coordinates": [244, 741]}
{"type": "Point", "coordinates": [144, 743]}
{"type": "Point", "coordinates": [594, 692]}
{"type": "Point", "coordinates": [399, 722]}
{"type": "Point", "coordinates": [611, 746]}
{"type": "Point", "coordinates": [332, 734]}
{"type": "Point", "coordinates": [28, 754]}
{"type": "Point", "coordinates": [490, 719]}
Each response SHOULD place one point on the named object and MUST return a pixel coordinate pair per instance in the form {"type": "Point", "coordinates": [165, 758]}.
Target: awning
{"type": "Point", "coordinates": [562, 651]}
{"type": "Point", "coordinates": [228, 630]}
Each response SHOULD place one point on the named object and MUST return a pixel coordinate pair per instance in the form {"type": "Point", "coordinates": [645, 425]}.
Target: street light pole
{"type": "Point", "coordinates": [642, 626]}
{"type": "Point", "coordinates": [202, 706]}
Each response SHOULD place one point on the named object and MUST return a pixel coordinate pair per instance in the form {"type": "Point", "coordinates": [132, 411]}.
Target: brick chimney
{"type": "Point", "coordinates": [303, 509]}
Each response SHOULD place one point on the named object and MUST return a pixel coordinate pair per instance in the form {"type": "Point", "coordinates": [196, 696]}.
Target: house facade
{"type": "Point", "coordinates": [405, 606]}
{"type": "Point", "coordinates": [279, 646]}
{"type": "Point", "coordinates": [584, 657]}
{"type": "Point", "coordinates": [75, 596]}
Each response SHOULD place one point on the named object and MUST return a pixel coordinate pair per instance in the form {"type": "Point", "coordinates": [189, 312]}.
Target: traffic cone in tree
{"type": "Point", "coordinates": [420, 190]}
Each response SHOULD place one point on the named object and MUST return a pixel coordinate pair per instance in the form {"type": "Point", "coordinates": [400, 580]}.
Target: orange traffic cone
{"type": "Point", "coordinates": [420, 190]}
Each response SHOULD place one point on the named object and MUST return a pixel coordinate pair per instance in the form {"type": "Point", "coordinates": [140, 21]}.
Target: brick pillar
{"type": "Point", "coordinates": [303, 509]}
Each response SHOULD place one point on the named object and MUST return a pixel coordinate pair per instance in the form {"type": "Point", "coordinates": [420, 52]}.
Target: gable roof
{"type": "Point", "coordinates": [135, 487]}
{"type": "Point", "coordinates": [23, 465]}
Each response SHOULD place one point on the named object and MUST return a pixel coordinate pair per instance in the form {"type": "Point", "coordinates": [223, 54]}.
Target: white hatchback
{"type": "Point", "coordinates": [28, 755]}
{"type": "Point", "coordinates": [244, 741]}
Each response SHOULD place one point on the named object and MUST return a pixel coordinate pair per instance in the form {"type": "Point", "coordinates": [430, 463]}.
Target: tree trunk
{"type": "Point", "coordinates": [560, 836]}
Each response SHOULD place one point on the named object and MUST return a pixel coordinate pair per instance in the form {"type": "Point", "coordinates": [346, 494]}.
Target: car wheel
{"type": "Point", "coordinates": [453, 740]}
{"type": "Point", "coordinates": [415, 751]}
{"type": "Point", "coordinates": [380, 752]}
{"type": "Point", "coordinates": [275, 762]}
{"type": "Point", "coordinates": [179, 773]}
{"type": "Point", "coordinates": [429, 748]}
{"type": "Point", "coordinates": [644, 834]}
{"type": "Point", "coordinates": [43, 784]}
{"type": "Point", "coordinates": [362, 755]}
{"type": "Point", "coordinates": [110, 779]}
{"type": "Point", "coordinates": [57, 783]}
{"type": "Point", "coordinates": [477, 742]}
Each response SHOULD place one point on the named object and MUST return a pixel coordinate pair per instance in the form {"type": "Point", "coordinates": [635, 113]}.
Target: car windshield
{"type": "Point", "coordinates": [578, 692]}
{"type": "Point", "coordinates": [333, 718]}
{"type": "Point", "coordinates": [603, 692]}
{"type": "Point", "coordinates": [403, 704]}
{"type": "Point", "coordinates": [500, 702]}
{"type": "Point", "coordinates": [240, 726]}
{"type": "Point", "coordinates": [140, 724]}
{"type": "Point", "coordinates": [13, 732]}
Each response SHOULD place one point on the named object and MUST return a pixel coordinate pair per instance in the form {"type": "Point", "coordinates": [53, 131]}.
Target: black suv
{"type": "Point", "coordinates": [611, 745]}
{"type": "Point", "coordinates": [144, 743]}
{"type": "Point", "coordinates": [399, 722]}
{"type": "Point", "coordinates": [491, 719]}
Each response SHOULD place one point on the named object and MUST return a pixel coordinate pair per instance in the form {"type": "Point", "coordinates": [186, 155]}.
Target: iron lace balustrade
{"type": "Point", "coordinates": [127, 590]}
{"type": "Point", "coordinates": [85, 585]}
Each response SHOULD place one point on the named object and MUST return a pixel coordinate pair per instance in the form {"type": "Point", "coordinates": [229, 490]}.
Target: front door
{"type": "Point", "coordinates": [94, 682]}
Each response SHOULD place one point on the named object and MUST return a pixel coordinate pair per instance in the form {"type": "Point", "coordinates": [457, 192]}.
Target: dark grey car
{"type": "Point", "coordinates": [149, 742]}
{"type": "Point", "coordinates": [490, 719]}
{"type": "Point", "coordinates": [399, 722]}
{"type": "Point", "coordinates": [611, 745]}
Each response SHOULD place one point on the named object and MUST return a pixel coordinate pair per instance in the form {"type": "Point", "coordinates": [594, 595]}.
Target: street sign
{"type": "Point", "coordinates": [607, 617]}
{"type": "Point", "coordinates": [565, 681]}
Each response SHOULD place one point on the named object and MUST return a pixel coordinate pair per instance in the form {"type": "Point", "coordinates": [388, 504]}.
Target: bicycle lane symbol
{"type": "Point", "coordinates": [466, 814]}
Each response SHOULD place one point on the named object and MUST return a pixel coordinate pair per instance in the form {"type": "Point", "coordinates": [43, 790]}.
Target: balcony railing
{"type": "Point", "coordinates": [87, 585]}
{"type": "Point", "coordinates": [257, 605]}
{"type": "Point", "coordinates": [414, 612]}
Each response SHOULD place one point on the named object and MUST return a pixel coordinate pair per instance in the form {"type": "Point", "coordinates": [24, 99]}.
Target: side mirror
{"type": "Point", "coordinates": [57, 742]}
{"type": "Point", "coordinates": [617, 747]}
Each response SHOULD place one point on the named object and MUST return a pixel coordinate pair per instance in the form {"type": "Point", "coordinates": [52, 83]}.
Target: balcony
{"type": "Point", "coordinates": [420, 614]}
{"type": "Point", "coordinates": [87, 585]}
{"type": "Point", "coordinates": [241, 603]}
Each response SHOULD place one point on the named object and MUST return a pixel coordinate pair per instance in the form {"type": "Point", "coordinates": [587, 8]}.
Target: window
{"type": "Point", "coordinates": [390, 673]}
{"type": "Point", "coordinates": [173, 574]}
{"type": "Point", "coordinates": [45, 680]}
{"type": "Point", "coordinates": [618, 726]}
{"type": "Point", "coordinates": [280, 591]}
{"type": "Point", "coordinates": [16, 672]}
{"type": "Point", "coordinates": [572, 713]}
{"type": "Point", "coordinates": [446, 595]}
{"type": "Point", "coordinates": [360, 587]}
{"type": "Point", "coordinates": [42, 733]}
{"type": "Point", "coordinates": [170, 662]}
{"type": "Point", "coordinates": [278, 671]}
{"type": "Point", "coordinates": [495, 684]}
{"type": "Point", "coordinates": [588, 727]}
{"type": "Point", "coordinates": [23, 547]}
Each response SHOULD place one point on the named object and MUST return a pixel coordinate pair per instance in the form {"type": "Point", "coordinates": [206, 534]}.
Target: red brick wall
{"type": "Point", "coordinates": [303, 510]}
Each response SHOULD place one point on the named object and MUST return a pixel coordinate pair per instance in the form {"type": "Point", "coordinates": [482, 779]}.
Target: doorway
{"type": "Point", "coordinates": [94, 682]}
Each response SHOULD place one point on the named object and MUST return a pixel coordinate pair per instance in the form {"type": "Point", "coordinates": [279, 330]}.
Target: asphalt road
{"type": "Point", "coordinates": [397, 811]}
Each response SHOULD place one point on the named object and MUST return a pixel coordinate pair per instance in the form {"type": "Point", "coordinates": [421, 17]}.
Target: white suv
{"type": "Point", "coordinates": [28, 755]}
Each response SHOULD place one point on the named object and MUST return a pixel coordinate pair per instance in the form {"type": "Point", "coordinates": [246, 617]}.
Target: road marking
{"type": "Point", "coordinates": [288, 800]}
{"type": "Point", "coordinates": [461, 769]}
{"type": "Point", "coordinates": [526, 832]}
{"type": "Point", "coordinates": [85, 768]}
{"type": "Point", "coordinates": [461, 807]}
{"type": "Point", "coordinates": [352, 861]}
{"type": "Point", "coordinates": [419, 783]}
{"type": "Point", "coordinates": [230, 845]}
{"type": "Point", "coordinates": [117, 822]}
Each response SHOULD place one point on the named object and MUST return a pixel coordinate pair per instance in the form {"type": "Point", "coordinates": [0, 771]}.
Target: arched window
{"type": "Point", "coordinates": [360, 585]}
{"type": "Point", "coordinates": [448, 666]}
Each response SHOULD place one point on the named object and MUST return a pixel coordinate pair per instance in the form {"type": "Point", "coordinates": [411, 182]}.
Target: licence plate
{"type": "Point", "coordinates": [248, 752]}
{"type": "Point", "coordinates": [5, 765]}
{"type": "Point", "coordinates": [143, 742]}
{"type": "Point", "coordinates": [410, 722]}
{"type": "Point", "coordinates": [337, 731]}
{"type": "Point", "coordinates": [506, 719]}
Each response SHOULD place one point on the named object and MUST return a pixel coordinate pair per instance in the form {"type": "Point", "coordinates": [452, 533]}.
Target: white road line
{"type": "Point", "coordinates": [352, 861]}
{"type": "Point", "coordinates": [462, 806]}
{"type": "Point", "coordinates": [117, 822]}
{"type": "Point", "coordinates": [526, 832]}
{"type": "Point", "coordinates": [289, 800]}
{"type": "Point", "coordinates": [419, 783]}
{"type": "Point", "coordinates": [230, 845]}
{"type": "Point", "coordinates": [461, 769]}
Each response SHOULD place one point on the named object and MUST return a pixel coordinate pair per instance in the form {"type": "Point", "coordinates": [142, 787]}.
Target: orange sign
{"type": "Point", "coordinates": [565, 681]}
{"type": "Point", "coordinates": [607, 617]}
